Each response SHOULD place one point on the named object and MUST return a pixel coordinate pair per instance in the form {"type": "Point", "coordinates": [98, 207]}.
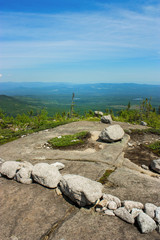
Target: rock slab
{"type": "Point", "coordinates": [81, 190]}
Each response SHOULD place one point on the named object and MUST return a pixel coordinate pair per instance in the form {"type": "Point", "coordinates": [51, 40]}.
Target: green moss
{"type": "Point", "coordinates": [155, 147]}
{"type": "Point", "coordinates": [69, 140]}
{"type": "Point", "coordinates": [104, 178]}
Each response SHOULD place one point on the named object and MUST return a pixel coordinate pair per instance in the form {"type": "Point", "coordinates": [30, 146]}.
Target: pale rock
{"type": "Point", "coordinates": [149, 209]}
{"type": "Point", "coordinates": [81, 190]}
{"type": "Point", "coordinates": [112, 134]}
{"type": "Point", "coordinates": [112, 205]}
{"type": "Point", "coordinates": [106, 119]}
{"type": "Point", "coordinates": [145, 223]}
{"type": "Point", "coordinates": [9, 168]}
{"type": "Point", "coordinates": [23, 175]}
{"type": "Point", "coordinates": [99, 209]}
{"type": "Point", "coordinates": [143, 123]}
{"type": "Point", "coordinates": [58, 165]}
{"type": "Point", "coordinates": [98, 113]}
{"type": "Point", "coordinates": [145, 167]}
{"type": "Point", "coordinates": [135, 212]}
{"type": "Point", "coordinates": [103, 203]}
{"type": "Point", "coordinates": [155, 165]}
{"type": "Point", "coordinates": [124, 215]}
{"type": "Point", "coordinates": [109, 212]}
{"type": "Point", "coordinates": [46, 175]}
{"type": "Point", "coordinates": [129, 205]}
{"type": "Point", "coordinates": [130, 144]}
{"type": "Point", "coordinates": [157, 215]}
{"type": "Point", "coordinates": [110, 197]}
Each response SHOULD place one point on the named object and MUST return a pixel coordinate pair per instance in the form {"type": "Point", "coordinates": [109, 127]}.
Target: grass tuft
{"type": "Point", "coordinates": [104, 178]}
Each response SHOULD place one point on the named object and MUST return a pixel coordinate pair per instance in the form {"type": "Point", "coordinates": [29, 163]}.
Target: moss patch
{"type": "Point", "coordinates": [155, 147]}
{"type": "Point", "coordinates": [104, 178]}
{"type": "Point", "coordinates": [69, 140]}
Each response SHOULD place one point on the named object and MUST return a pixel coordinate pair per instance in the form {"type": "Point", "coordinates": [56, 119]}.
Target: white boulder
{"type": "Point", "coordinates": [112, 205]}
{"type": "Point", "coordinates": [98, 113]}
{"type": "Point", "coordinates": [9, 168]}
{"type": "Point", "coordinates": [157, 215]}
{"type": "Point", "coordinates": [149, 209]}
{"type": "Point", "coordinates": [146, 223]}
{"type": "Point", "coordinates": [81, 190]}
{"type": "Point", "coordinates": [112, 133]}
{"type": "Point", "coordinates": [106, 119]}
{"type": "Point", "coordinates": [135, 212]}
{"type": "Point", "coordinates": [124, 215]}
{"type": "Point", "coordinates": [46, 175]}
{"type": "Point", "coordinates": [129, 205]}
{"type": "Point", "coordinates": [58, 165]}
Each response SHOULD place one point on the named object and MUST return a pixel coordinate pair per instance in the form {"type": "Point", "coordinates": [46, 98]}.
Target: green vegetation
{"type": "Point", "coordinates": [69, 140]}
{"type": "Point", "coordinates": [104, 178]}
{"type": "Point", "coordinates": [155, 147]}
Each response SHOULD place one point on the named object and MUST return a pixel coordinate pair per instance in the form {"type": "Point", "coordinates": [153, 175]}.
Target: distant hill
{"type": "Point", "coordinates": [13, 106]}
{"type": "Point", "coordinates": [56, 97]}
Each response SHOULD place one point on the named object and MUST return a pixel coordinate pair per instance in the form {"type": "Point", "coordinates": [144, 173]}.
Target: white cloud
{"type": "Point", "coordinates": [0, 75]}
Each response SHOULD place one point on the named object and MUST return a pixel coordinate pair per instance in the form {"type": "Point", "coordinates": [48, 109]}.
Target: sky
{"type": "Point", "coordinates": [80, 41]}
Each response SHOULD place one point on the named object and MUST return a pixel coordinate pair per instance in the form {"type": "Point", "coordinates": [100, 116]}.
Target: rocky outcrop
{"type": "Point", "coordinates": [46, 175]}
{"type": "Point", "coordinates": [81, 190]}
{"type": "Point", "coordinates": [112, 134]}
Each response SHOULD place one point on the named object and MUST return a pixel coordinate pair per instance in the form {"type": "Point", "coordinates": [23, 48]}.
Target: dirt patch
{"type": "Point", "coordinates": [137, 150]}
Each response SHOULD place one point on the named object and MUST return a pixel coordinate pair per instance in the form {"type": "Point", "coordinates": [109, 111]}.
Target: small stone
{"type": "Point", "coordinates": [103, 203]}
{"type": "Point", "coordinates": [112, 205]}
{"type": "Point", "coordinates": [149, 209]}
{"type": "Point", "coordinates": [143, 123]}
{"type": "Point", "coordinates": [99, 209]}
{"type": "Point", "coordinates": [129, 205]}
{"type": "Point", "coordinates": [110, 197]}
{"type": "Point", "coordinates": [155, 165]}
{"type": "Point", "coordinates": [58, 191]}
{"type": "Point", "coordinates": [109, 212]}
{"type": "Point", "coordinates": [145, 167]}
{"type": "Point", "coordinates": [157, 215]}
{"type": "Point", "coordinates": [145, 223]}
{"type": "Point", "coordinates": [135, 212]}
{"type": "Point", "coordinates": [124, 215]}
{"type": "Point", "coordinates": [59, 165]}
{"type": "Point", "coordinates": [130, 144]}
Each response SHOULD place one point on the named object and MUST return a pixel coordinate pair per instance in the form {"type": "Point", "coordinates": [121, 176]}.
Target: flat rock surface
{"type": "Point", "coordinates": [34, 212]}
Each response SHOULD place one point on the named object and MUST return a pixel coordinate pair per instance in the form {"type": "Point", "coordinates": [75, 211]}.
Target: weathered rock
{"type": "Point", "coordinates": [124, 215]}
{"type": "Point", "coordinates": [58, 165]}
{"type": "Point", "coordinates": [143, 123]}
{"type": "Point", "coordinates": [9, 168]}
{"type": "Point", "coordinates": [112, 205]}
{"type": "Point", "coordinates": [109, 212]}
{"type": "Point", "coordinates": [112, 133]}
{"type": "Point", "coordinates": [145, 223]}
{"type": "Point", "coordinates": [149, 209]}
{"type": "Point", "coordinates": [155, 165]}
{"type": "Point", "coordinates": [157, 215]}
{"type": "Point", "coordinates": [110, 197]}
{"type": "Point", "coordinates": [81, 190]}
{"type": "Point", "coordinates": [145, 167]}
{"type": "Point", "coordinates": [106, 119]}
{"type": "Point", "coordinates": [98, 113]}
{"type": "Point", "coordinates": [129, 205]}
{"type": "Point", "coordinates": [135, 212]}
{"type": "Point", "coordinates": [23, 175]}
{"type": "Point", "coordinates": [103, 203]}
{"type": "Point", "coordinates": [46, 175]}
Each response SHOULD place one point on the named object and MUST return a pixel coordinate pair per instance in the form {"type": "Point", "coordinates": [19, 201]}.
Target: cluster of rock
{"type": "Point", "coordinates": [146, 216]}
{"type": "Point", "coordinates": [80, 190]}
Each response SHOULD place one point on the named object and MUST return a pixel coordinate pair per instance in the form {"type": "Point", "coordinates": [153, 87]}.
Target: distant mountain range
{"type": "Point", "coordinates": [116, 89]}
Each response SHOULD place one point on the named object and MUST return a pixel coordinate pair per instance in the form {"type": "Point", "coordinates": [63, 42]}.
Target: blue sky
{"type": "Point", "coordinates": [80, 41]}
